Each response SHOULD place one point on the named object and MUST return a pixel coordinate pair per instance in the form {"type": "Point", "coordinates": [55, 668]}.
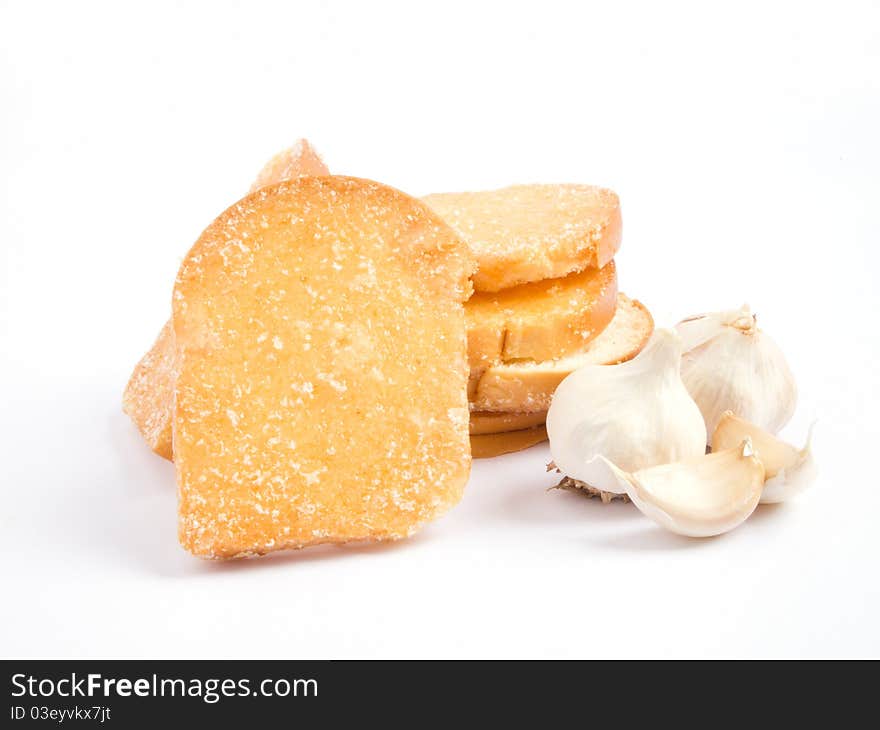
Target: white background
{"type": "Point", "coordinates": [745, 145]}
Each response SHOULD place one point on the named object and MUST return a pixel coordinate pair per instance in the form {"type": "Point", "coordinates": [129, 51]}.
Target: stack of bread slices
{"type": "Point", "coordinates": [314, 384]}
{"type": "Point", "coordinates": [545, 301]}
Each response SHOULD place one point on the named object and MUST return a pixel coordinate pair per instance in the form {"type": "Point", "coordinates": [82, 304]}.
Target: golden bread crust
{"type": "Point", "coordinates": [526, 233]}
{"type": "Point", "coordinates": [321, 392]}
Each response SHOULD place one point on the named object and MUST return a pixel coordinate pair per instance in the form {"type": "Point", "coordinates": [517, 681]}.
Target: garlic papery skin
{"type": "Point", "coordinates": [788, 470]}
{"type": "Point", "coordinates": [635, 415]}
{"type": "Point", "coordinates": [700, 497]}
{"type": "Point", "coordinates": [730, 364]}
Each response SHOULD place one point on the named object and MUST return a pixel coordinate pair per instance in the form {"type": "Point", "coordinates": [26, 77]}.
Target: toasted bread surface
{"type": "Point", "coordinates": [526, 233]}
{"type": "Point", "coordinates": [484, 446]}
{"type": "Point", "coordinates": [487, 422]}
{"type": "Point", "coordinates": [321, 392]}
{"type": "Point", "coordinates": [540, 320]}
{"type": "Point", "coordinates": [527, 387]}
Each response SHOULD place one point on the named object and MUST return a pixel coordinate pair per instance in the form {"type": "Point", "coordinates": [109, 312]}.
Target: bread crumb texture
{"type": "Point", "coordinates": [527, 387]}
{"type": "Point", "coordinates": [540, 320]}
{"type": "Point", "coordinates": [527, 233]}
{"type": "Point", "coordinates": [321, 395]}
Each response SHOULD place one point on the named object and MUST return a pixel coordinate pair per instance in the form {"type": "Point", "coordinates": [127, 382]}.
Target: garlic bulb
{"type": "Point", "coordinates": [729, 364]}
{"type": "Point", "coordinates": [636, 415]}
{"type": "Point", "coordinates": [699, 497]}
{"type": "Point", "coordinates": [788, 470]}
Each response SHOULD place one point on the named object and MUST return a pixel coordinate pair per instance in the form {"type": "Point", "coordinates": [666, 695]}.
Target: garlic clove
{"type": "Point", "coordinates": [636, 414]}
{"type": "Point", "coordinates": [699, 497]}
{"type": "Point", "coordinates": [788, 470]}
{"type": "Point", "coordinates": [728, 363]}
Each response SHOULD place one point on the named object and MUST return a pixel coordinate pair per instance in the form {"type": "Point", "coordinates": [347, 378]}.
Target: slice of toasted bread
{"type": "Point", "coordinates": [486, 422]}
{"type": "Point", "coordinates": [527, 387]}
{"type": "Point", "coordinates": [529, 233]}
{"type": "Point", "coordinates": [321, 396]}
{"type": "Point", "coordinates": [541, 320]}
{"type": "Point", "coordinates": [149, 395]}
{"type": "Point", "coordinates": [487, 445]}
{"type": "Point", "coordinates": [301, 159]}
